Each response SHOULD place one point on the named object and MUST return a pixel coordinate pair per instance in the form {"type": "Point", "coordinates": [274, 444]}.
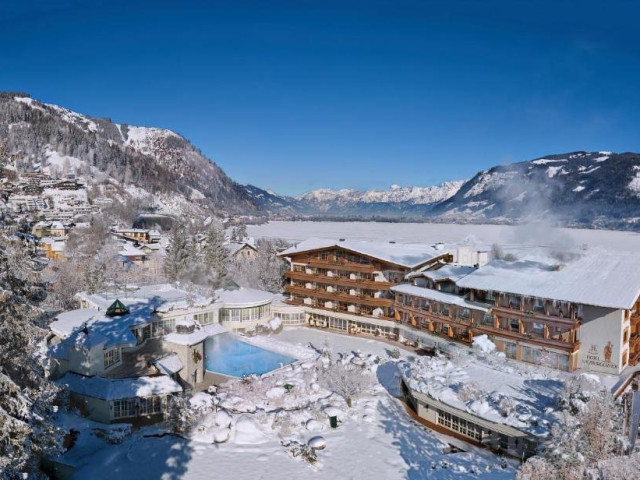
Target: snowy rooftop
{"type": "Point", "coordinates": [169, 365]}
{"type": "Point", "coordinates": [437, 296]}
{"type": "Point", "coordinates": [407, 255]}
{"type": "Point", "coordinates": [451, 272]}
{"type": "Point", "coordinates": [161, 294]}
{"type": "Point", "coordinates": [598, 278]}
{"type": "Point", "coordinates": [243, 297]}
{"type": "Point", "coordinates": [67, 322]}
{"type": "Point", "coordinates": [127, 250]}
{"type": "Point", "coordinates": [483, 390]}
{"type": "Point", "coordinates": [196, 336]}
{"type": "Point", "coordinates": [107, 389]}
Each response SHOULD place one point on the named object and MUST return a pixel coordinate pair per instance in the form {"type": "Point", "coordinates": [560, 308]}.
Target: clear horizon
{"type": "Point", "coordinates": [293, 96]}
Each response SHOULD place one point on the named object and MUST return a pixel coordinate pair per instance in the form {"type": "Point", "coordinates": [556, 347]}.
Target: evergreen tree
{"type": "Point", "coordinates": [215, 256]}
{"type": "Point", "coordinates": [177, 257]}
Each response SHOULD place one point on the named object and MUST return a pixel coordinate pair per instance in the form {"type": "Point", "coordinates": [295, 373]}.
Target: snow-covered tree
{"type": "Point", "coordinates": [265, 271]}
{"type": "Point", "coordinates": [585, 436]}
{"type": "Point", "coordinates": [348, 381]}
{"type": "Point", "coordinates": [215, 256]}
{"type": "Point", "coordinates": [179, 416]}
{"type": "Point", "coordinates": [239, 233]}
{"type": "Point", "coordinates": [175, 263]}
{"type": "Point", "coordinates": [27, 399]}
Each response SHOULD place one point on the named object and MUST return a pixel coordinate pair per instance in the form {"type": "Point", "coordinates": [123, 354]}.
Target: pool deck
{"type": "Point", "coordinates": [212, 379]}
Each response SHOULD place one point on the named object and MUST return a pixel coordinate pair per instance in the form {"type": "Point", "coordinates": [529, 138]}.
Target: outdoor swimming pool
{"type": "Point", "coordinates": [230, 356]}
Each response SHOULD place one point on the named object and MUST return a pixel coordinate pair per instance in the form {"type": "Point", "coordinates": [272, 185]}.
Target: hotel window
{"type": "Point", "coordinates": [111, 357]}
{"type": "Point", "coordinates": [149, 405]}
{"type": "Point", "coordinates": [531, 355]}
{"type": "Point", "coordinates": [537, 328]}
{"type": "Point", "coordinates": [324, 256]}
{"type": "Point", "coordinates": [203, 318]}
{"type": "Point", "coordinates": [298, 268]}
{"type": "Point", "coordinates": [514, 325]}
{"type": "Point", "coordinates": [464, 313]}
{"type": "Point", "coordinates": [514, 302]}
{"type": "Point", "coordinates": [488, 320]}
{"type": "Point", "coordinates": [489, 295]}
{"type": "Point", "coordinates": [538, 305]}
{"type": "Point", "coordinates": [124, 408]}
{"type": "Point", "coordinates": [445, 329]}
{"type": "Point", "coordinates": [563, 362]}
{"type": "Point", "coordinates": [510, 350]}
{"type": "Point", "coordinates": [163, 327]}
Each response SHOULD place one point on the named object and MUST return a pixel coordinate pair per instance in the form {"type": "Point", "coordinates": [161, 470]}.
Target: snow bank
{"type": "Point", "coordinates": [482, 343]}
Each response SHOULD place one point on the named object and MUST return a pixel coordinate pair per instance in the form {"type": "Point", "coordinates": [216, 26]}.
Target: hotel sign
{"type": "Point", "coordinates": [594, 359]}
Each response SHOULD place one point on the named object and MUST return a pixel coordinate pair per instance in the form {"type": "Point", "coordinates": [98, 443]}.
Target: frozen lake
{"type": "Point", "coordinates": [478, 235]}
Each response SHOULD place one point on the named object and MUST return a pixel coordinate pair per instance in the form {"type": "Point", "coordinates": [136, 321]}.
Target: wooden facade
{"type": "Point", "coordinates": [535, 331]}
{"type": "Point", "coordinates": [341, 280]}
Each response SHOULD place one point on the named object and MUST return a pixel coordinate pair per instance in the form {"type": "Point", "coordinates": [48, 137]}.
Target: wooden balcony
{"type": "Point", "coordinates": [340, 297]}
{"type": "Point", "coordinates": [319, 307]}
{"type": "Point", "coordinates": [529, 315]}
{"type": "Point", "coordinates": [335, 280]}
{"type": "Point", "coordinates": [342, 265]}
{"type": "Point", "coordinates": [537, 339]}
{"type": "Point", "coordinates": [436, 317]}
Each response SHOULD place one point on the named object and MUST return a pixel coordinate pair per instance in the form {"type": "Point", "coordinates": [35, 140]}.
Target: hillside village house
{"type": "Point", "coordinates": [241, 250]}
{"type": "Point", "coordinates": [141, 235]}
{"type": "Point", "coordinates": [581, 314]}
{"type": "Point", "coordinates": [53, 247]}
{"type": "Point", "coordinates": [122, 354]}
{"type": "Point", "coordinates": [51, 229]}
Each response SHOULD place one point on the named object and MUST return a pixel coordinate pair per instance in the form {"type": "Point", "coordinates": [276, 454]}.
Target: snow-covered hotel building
{"type": "Point", "coordinates": [579, 314]}
{"type": "Point", "coordinates": [341, 283]}
{"type": "Point", "coordinates": [121, 355]}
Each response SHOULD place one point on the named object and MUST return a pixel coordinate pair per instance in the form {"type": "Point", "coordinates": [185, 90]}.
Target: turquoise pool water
{"type": "Point", "coordinates": [230, 356]}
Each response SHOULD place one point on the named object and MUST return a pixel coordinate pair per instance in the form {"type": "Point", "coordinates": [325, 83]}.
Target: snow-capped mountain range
{"type": "Point", "coordinates": [394, 194]}
{"type": "Point", "coordinates": [586, 189]}
{"type": "Point", "coordinates": [156, 167]}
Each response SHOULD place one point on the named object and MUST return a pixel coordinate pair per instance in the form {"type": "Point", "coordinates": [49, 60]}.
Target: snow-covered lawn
{"type": "Point", "coordinates": [375, 439]}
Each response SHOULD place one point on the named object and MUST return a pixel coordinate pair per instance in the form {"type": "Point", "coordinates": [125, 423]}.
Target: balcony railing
{"type": "Point", "coordinates": [336, 280]}
{"type": "Point", "coordinates": [572, 344]}
{"type": "Point", "coordinates": [335, 296]}
{"type": "Point", "coordinates": [511, 312]}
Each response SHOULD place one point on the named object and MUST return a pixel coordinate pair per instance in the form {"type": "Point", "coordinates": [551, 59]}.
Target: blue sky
{"type": "Point", "coordinates": [296, 95]}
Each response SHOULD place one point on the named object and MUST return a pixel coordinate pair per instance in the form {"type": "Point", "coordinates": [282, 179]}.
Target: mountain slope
{"type": "Point", "coordinates": [149, 162]}
{"type": "Point", "coordinates": [591, 189]}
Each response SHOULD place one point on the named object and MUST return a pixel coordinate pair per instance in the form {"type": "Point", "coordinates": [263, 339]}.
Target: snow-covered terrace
{"type": "Point", "coordinates": [410, 255]}
{"type": "Point", "coordinates": [197, 336]}
{"type": "Point", "coordinates": [438, 296]}
{"type": "Point", "coordinates": [504, 393]}
{"type": "Point", "coordinates": [598, 278]}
